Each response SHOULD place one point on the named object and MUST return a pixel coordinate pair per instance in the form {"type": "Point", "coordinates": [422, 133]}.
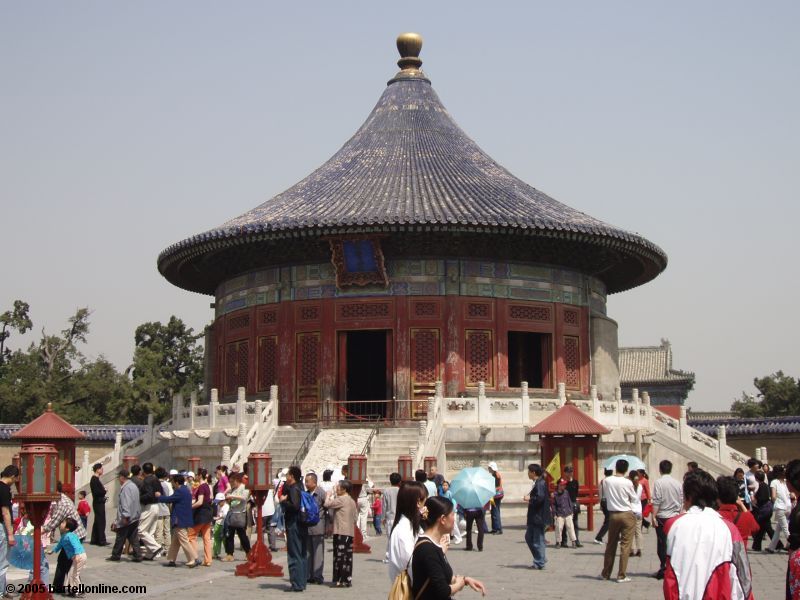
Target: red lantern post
{"type": "Point", "coordinates": [404, 468]}
{"type": "Point", "coordinates": [37, 482]}
{"type": "Point", "coordinates": [357, 469]}
{"type": "Point", "coordinates": [194, 464]}
{"type": "Point", "coordinates": [259, 559]}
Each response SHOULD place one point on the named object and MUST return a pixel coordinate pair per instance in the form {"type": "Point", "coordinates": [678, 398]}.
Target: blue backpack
{"type": "Point", "coordinates": [309, 511]}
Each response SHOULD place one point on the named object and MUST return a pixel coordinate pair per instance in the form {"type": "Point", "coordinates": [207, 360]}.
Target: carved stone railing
{"type": "Point", "coordinates": [112, 460]}
{"type": "Point", "coordinates": [214, 415]}
{"type": "Point", "coordinates": [259, 434]}
{"type": "Point", "coordinates": [432, 431]}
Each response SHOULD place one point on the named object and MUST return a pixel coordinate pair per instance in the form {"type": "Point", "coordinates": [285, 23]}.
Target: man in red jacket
{"type": "Point", "coordinates": [706, 558]}
{"type": "Point", "coordinates": [733, 509]}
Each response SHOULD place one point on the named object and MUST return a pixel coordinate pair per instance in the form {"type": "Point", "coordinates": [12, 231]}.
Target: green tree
{"type": "Point", "coordinates": [168, 359]}
{"type": "Point", "coordinates": [14, 319]}
{"type": "Point", "coordinates": [54, 370]}
{"type": "Point", "coordinates": [779, 395]}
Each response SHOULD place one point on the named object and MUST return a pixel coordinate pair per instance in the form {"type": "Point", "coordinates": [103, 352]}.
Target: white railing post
{"type": "Point", "coordinates": [240, 405]}
{"type": "Point", "coordinates": [764, 454]}
{"type": "Point", "coordinates": [722, 444]}
{"type": "Point", "coordinates": [226, 456]}
{"type": "Point", "coordinates": [483, 404]}
{"type": "Point", "coordinates": [242, 441]}
{"type": "Point", "coordinates": [562, 393]}
{"type": "Point", "coordinates": [618, 401]}
{"type": "Point", "coordinates": [758, 454]}
{"type": "Point", "coordinates": [213, 407]}
{"type": "Point", "coordinates": [636, 402]}
{"type": "Point", "coordinates": [647, 409]}
{"type": "Point", "coordinates": [683, 427]}
{"type": "Point", "coordinates": [526, 404]}
{"type": "Point", "coordinates": [117, 449]}
{"type": "Point", "coordinates": [439, 389]}
{"type": "Point", "coordinates": [85, 469]}
{"type": "Point", "coordinates": [192, 409]}
{"type": "Point", "coordinates": [595, 402]}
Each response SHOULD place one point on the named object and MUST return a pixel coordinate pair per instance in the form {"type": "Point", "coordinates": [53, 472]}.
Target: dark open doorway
{"type": "Point", "coordinates": [367, 373]}
{"type": "Point", "coordinates": [529, 359]}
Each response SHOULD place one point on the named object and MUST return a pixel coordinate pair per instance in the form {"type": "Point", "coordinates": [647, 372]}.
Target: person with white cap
{"type": "Point", "coordinates": [221, 508]}
{"type": "Point", "coordinates": [497, 523]}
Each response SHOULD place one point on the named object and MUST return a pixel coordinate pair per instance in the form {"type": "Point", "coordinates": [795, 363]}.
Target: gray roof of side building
{"type": "Point", "coordinates": [94, 433]}
{"type": "Point", "coordinates": [751, 426]}
{"type": "Point", "coordinates": [650, 364]}
{"type": "Point", "coordinates": [410, 166]}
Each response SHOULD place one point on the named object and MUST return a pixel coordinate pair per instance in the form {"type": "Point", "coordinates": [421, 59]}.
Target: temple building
{"type": "Point", "coordinates": [650, 368]}
{"type": "Point", "coordinates": [409, 257]}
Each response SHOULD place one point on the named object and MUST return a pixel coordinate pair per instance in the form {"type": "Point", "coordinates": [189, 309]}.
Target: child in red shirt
{"type": "Point", "coordinates": [377, 512]}
{"type": "Point", "coordinates": [83, 508]}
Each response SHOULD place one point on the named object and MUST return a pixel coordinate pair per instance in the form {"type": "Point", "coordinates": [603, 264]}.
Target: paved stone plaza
{"type": "Point", "coordinates": [502, 566]}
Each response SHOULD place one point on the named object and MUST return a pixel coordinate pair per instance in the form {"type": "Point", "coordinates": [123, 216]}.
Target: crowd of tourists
{"type": "Point", "coordinates": [702, 525]}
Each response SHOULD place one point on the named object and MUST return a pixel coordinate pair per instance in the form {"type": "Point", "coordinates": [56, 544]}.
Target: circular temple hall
{"type": "Point", "coordinates": [409, 258]}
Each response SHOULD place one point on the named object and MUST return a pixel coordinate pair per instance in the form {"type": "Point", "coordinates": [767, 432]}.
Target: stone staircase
{"type": "Point", "coordinates": [333, 446]}
{"type": "Point", "coordinates": [387, 445]}
{"type": "Point", "coordinates": [283, 446]}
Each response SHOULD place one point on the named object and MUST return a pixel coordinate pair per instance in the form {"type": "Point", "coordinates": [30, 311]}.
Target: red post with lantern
{"type": "Point", "coordinates": [357, 469]}
{"type": "Point", "coordinates": [49, 428]}
{"type": "Point", "coordinates": [404, 468]}
{"type": "Point", "coordinates": [194, 464]}
{"type": "Point", "coordinates": [259, 559]}
{"type": "Point", "coordinates": [38, 476]}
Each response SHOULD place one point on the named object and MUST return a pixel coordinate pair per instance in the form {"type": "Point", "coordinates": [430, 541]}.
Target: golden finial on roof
{"type": "Point", "coordinates": [49, 407]}
{"type": "Point", "coordinates": [409, 46]}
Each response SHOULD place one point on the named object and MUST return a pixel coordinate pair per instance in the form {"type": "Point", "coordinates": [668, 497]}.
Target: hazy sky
{"type": "Point", "coordinates": [125, 127]}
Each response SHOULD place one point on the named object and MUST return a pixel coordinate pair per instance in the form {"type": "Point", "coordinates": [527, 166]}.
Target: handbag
{"type": "Point", "coordinates": [202, 514]}
{"type": "Point", "coordinates": [401, 586]}
{"type": "Point", "coordinates": [237, 519]}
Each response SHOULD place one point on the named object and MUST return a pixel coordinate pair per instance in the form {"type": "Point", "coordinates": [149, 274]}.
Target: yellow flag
{"type": "Point", "coordinates": [554, 468]}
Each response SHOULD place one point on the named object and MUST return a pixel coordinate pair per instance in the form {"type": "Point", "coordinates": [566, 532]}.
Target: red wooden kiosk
{"type": "Point", "coordinates": [574, 435]}
{"type": "Point", "coordinates": [49, 428]}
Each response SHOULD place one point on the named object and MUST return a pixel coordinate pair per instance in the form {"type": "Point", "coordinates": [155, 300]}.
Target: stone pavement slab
{"type": "Point", "coordinates": [503, 566]}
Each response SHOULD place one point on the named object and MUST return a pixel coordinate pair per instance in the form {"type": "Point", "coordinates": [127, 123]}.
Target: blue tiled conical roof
{"type": "Point", "coordinates": [411, 166]}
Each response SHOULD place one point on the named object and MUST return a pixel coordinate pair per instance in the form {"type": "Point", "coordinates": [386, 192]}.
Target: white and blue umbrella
{"type": "Point", "coordinates": [473, 487]}
{"type": "Point", "coordinates": [634, 462]}
{"type": "Point", "coordinates": [21, 554]}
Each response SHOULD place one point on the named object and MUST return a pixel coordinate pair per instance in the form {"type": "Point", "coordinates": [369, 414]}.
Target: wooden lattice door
{"type": "Point", "coordinates": [425, 369]}
{"type": "Point", "coordinates": [309, 372]}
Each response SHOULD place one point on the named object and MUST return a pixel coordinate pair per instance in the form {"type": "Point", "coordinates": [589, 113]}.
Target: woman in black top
{"type": "Point", "coordinates": [762, 511]}
{"type": "Point", "coordinates": [98, 507]}
{"type": "Point", "coordinates": [432, 575]}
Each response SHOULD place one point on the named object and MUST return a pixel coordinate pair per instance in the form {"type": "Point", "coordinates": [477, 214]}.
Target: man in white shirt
{"type": "Point", "coordinates": [667, 503]}
{"type": "Point", "coordinates": [620, 496]}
